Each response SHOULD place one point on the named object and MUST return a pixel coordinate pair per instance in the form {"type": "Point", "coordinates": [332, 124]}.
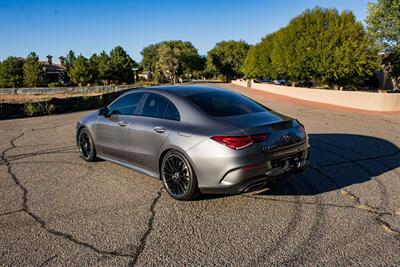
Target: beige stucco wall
{"type": "Point", "coordinates": [351, 99]}
{"type": "Point", "coordinates": [241, 82]}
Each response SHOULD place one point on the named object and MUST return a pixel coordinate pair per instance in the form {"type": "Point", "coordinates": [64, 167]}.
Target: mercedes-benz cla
{"type": "Point", "coordinates": [195, 139]}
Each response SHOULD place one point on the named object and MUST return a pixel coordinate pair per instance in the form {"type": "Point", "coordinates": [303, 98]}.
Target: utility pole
{"type": "Point", "coordinates": [134, 74]}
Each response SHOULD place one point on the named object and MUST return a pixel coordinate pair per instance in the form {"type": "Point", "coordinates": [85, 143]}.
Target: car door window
{"type": "Point", "coordinates": [154, 106]}
{"type": "Point", "coordinates": [126, 105]}
{"type": "Point", "coordinates": [159, 107]}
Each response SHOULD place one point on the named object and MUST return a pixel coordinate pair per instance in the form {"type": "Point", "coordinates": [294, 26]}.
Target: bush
{"type": "Point", "coordinates": [372, 82]}
{"type": "Point", "coordinates": [221, 78]}
{"type": "Point", "coordinates": [84, 103]}
{"type": "Point", "coordinates": [30, 109]}
{"type": "Point", "coordinates": [303, 83]}
{"type": "Point", "coordinates": [52, 85]}
{"type": "Point", "coordinates": [140, 83]}
{"type": "Point", "coordinates": [38, 108]}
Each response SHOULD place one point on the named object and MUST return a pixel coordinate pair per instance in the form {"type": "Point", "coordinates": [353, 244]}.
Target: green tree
{"type": "Point", "coordinates": [33, 71]}
{"type": "Point", "coordinates": [227, 58]}
{"type": "Point", "coordinates": [384, 24]}
{"type": "Point", "coordinates": [168, 61]}
{"type": "Point", "coordinates": [258, 60]}
{"type": "Point", "coordinates": [121, 65]}
{"type": "Point", "coordinates": [190, 60]}
{"type": "Point", "coordinates": [80, 71]}
{"type": "Point", "coordinates": [348, 57]}
{"type": "Point", "coordinates": [104, 67]}
{"type": "Point", "coordinates": [177, 58]}
{"type": "Point", "coordinates": [320, 45]}
{"type": "Point", "coordinates": [69, 61]}
{"type": "Point", "coordinates": [200, 69]}
{"type": "Point", "coordinates": [11, 72]}
{"type": "Point", "coordinates": [150, 57]}
{"type": "Point", "coordinates": [94, 70]}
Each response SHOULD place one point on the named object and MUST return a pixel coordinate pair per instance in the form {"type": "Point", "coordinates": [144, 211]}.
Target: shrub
{"type": "Point", "coordinates": [140, 83]}
{"type": "Point", "coordinates": [221, 78]}
{"type": "Point", "coordinates": [38, 108]}
{"type": "Point", "coordinates": [30, 109]}
{"type": "Point", "coordinates": [47, 108]}
{"type": "Point", "coordinates": [52, 85]}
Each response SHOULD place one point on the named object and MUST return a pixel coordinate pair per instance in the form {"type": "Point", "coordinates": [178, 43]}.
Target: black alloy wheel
{"type": "Point", "coordinates": [86, 147]}
{"type": "Point", "coordinates": [178, 176]}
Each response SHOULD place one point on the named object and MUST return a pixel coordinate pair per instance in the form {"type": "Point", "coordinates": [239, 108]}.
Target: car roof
{"type": "Point", "coordinates": [183, 90]}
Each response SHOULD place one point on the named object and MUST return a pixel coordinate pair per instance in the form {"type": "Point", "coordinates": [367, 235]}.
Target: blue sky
{"type": "Point", "coordinates": [89, 26]}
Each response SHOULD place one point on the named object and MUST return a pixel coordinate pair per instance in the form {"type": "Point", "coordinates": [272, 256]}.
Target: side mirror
{"type": "Point", "coordinates": [103, 111]}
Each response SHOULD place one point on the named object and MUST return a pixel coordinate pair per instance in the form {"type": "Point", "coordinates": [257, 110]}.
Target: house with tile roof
{"type": "Point", "coordinates": [54, 72]}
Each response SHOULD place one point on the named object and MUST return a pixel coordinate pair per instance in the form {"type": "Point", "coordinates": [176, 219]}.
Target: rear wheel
{"type": "Point", "coordinates": [86, 146]}
{"type": "Point", "coordinates": [178, 176]}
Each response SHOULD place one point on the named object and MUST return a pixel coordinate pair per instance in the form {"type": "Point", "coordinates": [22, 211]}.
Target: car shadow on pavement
{"type": "Point", "coordinates": [338, 161]}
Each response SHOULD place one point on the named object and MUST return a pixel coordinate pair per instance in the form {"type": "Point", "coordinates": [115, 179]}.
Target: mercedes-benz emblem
{"type": "Point", "coordinates": [286, 137]}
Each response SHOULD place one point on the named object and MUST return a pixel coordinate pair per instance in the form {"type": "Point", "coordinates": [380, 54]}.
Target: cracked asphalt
{"type": "Point", "coordinates": [57, 210]}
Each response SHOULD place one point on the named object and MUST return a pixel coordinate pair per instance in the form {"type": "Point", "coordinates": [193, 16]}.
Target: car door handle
{"type": "Point", "coordinates": [159, 129]}
{"type": "Point", "coordinates": [122, 123]}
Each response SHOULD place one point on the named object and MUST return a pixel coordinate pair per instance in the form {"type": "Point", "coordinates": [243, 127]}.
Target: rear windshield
{"type": "Point", "coordinates": [224, 104]}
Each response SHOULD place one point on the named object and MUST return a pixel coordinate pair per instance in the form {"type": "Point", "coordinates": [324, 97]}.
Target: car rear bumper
{"type": "Point", "coordinates": [254, 177]}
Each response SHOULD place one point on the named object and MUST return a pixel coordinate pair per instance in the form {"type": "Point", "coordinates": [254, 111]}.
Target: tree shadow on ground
{"type": "Point", "coordinates": [338, 161]}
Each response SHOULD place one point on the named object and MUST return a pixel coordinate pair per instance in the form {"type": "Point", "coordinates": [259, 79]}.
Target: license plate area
{"type": "Point", "coordinates": [287, 161]}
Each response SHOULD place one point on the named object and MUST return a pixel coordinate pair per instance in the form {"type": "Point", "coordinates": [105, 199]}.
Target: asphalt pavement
{"type": "Point", "coordinates": [57, 210]}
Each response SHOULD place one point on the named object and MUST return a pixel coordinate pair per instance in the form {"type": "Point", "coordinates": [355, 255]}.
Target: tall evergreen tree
{"type": "Point", "coordinates": [104, 67]}
{"type": "Point", "coordinates": [11, 72]}
{"type": "Point", "coordinates": [80, 71]}
{"type": "Point", "coordinates": [33, 71]}
{"type": "Point", "coordinates": [69, 61]}
{"type": "Point", "coordinates": [121, 65]}
{"type": "Point", "coordinates": [94, 63]}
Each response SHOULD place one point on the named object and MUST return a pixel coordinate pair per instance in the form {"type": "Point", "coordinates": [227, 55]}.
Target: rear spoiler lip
{"type": "Point", "coordinates": [261, 126]}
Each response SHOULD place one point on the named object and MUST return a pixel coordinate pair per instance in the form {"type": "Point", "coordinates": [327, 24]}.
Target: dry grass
{"type": "Point", "coordinates": [11, 98]}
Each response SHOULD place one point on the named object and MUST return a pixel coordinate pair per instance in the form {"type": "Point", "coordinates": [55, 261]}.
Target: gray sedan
{"type": "Point", "coordinates": [195, 139]}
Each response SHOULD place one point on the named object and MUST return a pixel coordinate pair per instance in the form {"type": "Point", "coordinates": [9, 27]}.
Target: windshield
{"type": "Point", "coordinates": [224, 104]}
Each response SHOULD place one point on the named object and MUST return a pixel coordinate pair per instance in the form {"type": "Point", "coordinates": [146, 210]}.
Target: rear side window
{"type": "Point", "coordinates": [172, 113]}
{"type": "Point", "coordinates": [224, 104]}
{"type": "Point", "coordinates": [159, 107]}
{"type": "Point", "coordinates": [126, 105]}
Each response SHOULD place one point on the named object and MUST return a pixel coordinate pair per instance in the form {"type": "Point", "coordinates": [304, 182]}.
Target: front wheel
{"type": "Point", "coordinates": [178, 176]}
{"type": "Point", "coordinates": [87, 150]}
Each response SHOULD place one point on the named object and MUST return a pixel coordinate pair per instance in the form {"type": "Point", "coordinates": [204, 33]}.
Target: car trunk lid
{"type": "Point", "coordinates": [282, 130]}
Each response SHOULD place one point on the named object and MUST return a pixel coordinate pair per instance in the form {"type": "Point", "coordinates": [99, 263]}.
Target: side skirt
{"type": "Point", "coordinates": [130, 166]}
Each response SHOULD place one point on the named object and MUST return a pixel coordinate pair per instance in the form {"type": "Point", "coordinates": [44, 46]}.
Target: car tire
{"type": "Point", "coordinates": [178, 176]}
{"type": "Point", "coordinates": [87, 150]}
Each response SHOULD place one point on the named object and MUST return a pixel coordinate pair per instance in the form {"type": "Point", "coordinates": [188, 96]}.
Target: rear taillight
{"type": "Point", "coordinates": [301, 128]}
{"type": "Point", "coordinates": [239, 142]}
{"type": "Point", "coordinates": [235, 142]}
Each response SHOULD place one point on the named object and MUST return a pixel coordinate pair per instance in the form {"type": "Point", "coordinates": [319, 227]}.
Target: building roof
{"type": "Point", "coordinates": [52, 67]}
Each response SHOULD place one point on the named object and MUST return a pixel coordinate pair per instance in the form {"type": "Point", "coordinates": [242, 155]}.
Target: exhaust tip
{"type": "Point", "coordinates": [255, 187]}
